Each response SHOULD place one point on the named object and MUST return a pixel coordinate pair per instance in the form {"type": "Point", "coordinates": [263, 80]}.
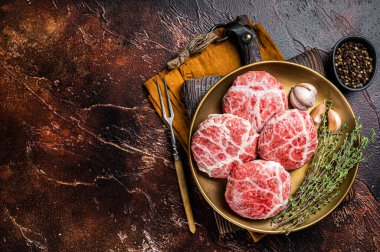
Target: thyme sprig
{"type": "Point", "coordinates": [330, 165]}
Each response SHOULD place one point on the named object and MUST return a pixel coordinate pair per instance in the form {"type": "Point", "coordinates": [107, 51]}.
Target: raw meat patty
{"type": "Point", "coordinates": [289, 138]}
{"type": "Point", "coordinates": [258, 189]}
{"type": "Point", "coordinates": [222, 142]}
{"type": "Point", "coordinates": [255, 96]}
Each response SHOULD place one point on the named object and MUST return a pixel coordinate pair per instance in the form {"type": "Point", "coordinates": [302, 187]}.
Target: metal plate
{"type": "Point", "coordinates": [288, 74]}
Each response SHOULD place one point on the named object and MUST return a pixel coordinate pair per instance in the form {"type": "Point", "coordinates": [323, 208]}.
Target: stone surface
{"type": "Point", "coordinates": [85, 162]}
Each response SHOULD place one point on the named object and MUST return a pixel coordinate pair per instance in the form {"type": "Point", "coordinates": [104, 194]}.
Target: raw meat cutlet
{"type": "Point", "coordinates": [258, 189]}
{"type": "Point", "coordinates": [289, 138]}
{"type": "Point", "coordinates": [255, 96]}
{"type": "Point", "coordinates": [222, 142]}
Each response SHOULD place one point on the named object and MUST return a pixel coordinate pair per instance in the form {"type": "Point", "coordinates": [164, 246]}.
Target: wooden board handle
{"type": "Point", "coordinates": [185, 195]}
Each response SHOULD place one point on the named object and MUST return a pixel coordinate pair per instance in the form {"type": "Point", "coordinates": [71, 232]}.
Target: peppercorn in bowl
{"type": "Point", "coordinates": [354, 63]}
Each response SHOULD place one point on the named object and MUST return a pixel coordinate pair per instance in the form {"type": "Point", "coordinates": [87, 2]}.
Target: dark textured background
{"type": "Point", "coordinates": [85, 162]}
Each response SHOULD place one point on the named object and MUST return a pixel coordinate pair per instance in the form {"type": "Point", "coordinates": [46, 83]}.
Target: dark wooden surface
{"type": "Point", "coordinates": [85, 161]}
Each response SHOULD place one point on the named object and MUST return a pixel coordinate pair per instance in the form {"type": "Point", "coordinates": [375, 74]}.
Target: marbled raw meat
{"type": "Point", "coordinates": [222, 142]}
{"type": "Point", "coordinates": [289, 138]}
{"type": "Point", "coordinates": [258, 189]}
{"type": "Point", "coordinates": [255, 96]}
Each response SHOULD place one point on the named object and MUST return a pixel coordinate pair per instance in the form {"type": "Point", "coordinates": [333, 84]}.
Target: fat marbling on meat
{"type": "Point", "coordinates": [258, 189]}
{"type": "Point", "coordinates": [289, 138]}
{"type": "Point", "coordinates": [222, 142]}
{"type": "Point", "coordinates": [255, 96]}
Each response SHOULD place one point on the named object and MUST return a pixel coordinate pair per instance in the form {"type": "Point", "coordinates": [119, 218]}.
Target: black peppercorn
{"type": "Point", "coordinates": [353, 64]}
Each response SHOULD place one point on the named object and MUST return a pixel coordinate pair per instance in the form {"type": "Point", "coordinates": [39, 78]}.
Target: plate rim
{"type": "Point", "coordinates": [193, 168]}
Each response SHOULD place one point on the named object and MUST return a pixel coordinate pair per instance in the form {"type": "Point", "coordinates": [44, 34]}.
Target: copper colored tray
{"type": "Point", "coordinates": [288, 74]}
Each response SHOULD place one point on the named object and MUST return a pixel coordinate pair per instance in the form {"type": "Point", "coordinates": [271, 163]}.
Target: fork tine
{"type": "Point", "coordinates": [163, 110]}
{"type": "Point", "coordinates": [171, 113]}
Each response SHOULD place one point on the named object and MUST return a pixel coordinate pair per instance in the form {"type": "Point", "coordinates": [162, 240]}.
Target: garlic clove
{"type": "Point", "coordinates": [309, 87]}
{"type": "Point", "coordinates": [333, 121]}
{"type": "Point", "coordinates": [317, 112]}
{"type": "Point", "coordinates": [294, 101]}
{"type": "Point", "coordinates": [304, 96]}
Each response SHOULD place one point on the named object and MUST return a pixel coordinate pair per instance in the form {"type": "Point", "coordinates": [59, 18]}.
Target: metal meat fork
{"type": "Point", "coordinates": [177, 160]}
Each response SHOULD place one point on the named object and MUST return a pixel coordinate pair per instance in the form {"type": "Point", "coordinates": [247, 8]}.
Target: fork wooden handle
{"type": "Point", "coordinates": [185, 195]}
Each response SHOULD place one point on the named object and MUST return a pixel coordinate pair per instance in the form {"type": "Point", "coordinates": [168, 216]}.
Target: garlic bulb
{"type": "Point", "coordinates": [317, 112]}
{"type": "Point", "coordinates": [333, 121]}
{"type": "Point", "coordinates": [303, 96]}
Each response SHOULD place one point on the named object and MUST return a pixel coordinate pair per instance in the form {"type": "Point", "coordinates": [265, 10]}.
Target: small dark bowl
{"type": "Point", "coordinates": [372, 54]}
